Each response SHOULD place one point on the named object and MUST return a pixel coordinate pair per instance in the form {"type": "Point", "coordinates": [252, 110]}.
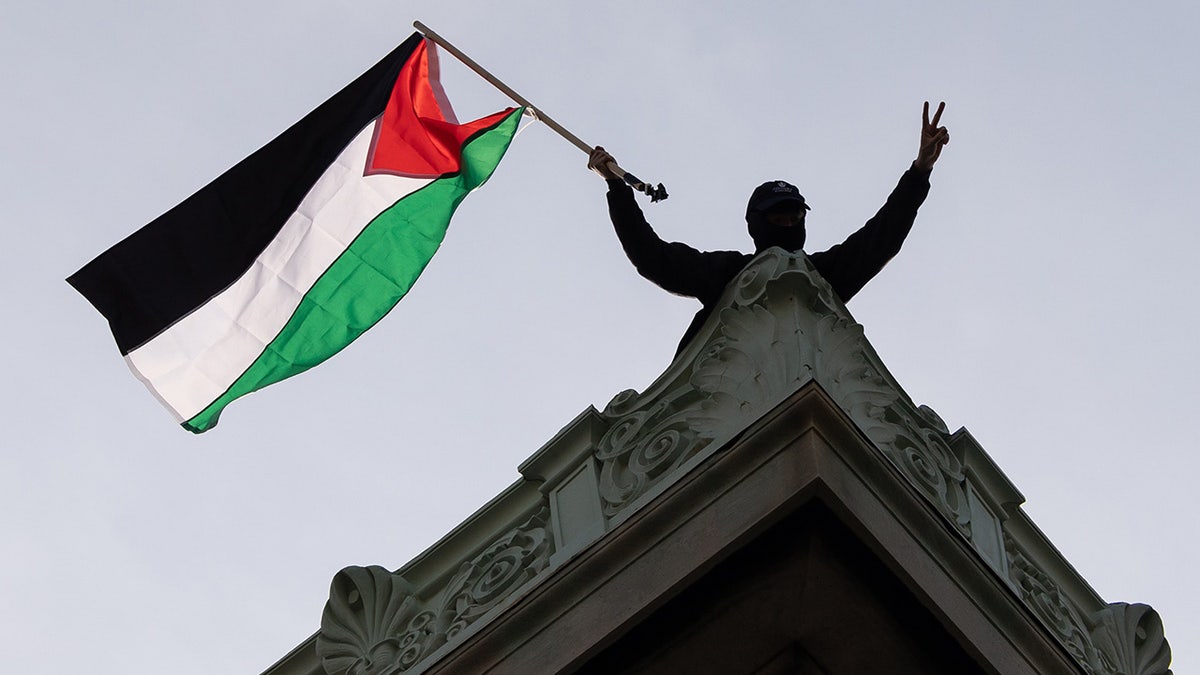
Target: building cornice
{"type": "Point", "coordinates": [780, 339]}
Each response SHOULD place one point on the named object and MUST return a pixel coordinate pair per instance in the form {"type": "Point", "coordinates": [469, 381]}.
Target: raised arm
{"type": "Point", "coordinates": [850, 265]}
{"type": "Point", "coordinates": [675, 267]}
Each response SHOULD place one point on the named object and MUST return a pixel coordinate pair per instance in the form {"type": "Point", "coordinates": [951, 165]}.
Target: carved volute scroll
{"type": "Point", "coordinates": [493, 575]}
{"type": "Point", "coordinates": [374, 623]}
{"type": "Point", "coordinates": [643, 446]}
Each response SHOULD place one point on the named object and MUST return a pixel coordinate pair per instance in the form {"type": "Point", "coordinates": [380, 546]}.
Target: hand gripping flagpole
{"type": "Point", "coordinates": [656, 193]}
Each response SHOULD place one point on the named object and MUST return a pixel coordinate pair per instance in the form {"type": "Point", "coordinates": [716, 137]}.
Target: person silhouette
{"type": "Point", "coordinates": [775, 216]}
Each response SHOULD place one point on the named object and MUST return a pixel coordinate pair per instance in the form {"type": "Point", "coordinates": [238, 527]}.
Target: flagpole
{"type": "Point", "coordinates": [656, 193]}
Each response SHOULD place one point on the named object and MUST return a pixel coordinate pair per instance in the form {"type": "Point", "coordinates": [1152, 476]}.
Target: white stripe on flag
{"type": "Point", "coordinates": [194, 361]}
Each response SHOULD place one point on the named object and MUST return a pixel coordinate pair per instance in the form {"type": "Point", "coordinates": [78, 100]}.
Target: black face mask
{"type": "Point", "coordinates": [766, 235]}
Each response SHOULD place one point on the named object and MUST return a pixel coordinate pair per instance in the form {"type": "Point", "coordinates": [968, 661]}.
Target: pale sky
{"type": "Point", "coordinates": [1045, 300]}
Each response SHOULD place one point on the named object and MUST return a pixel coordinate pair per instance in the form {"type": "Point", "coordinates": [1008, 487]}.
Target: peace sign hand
{"type": "Point", "coordinates": [933, 138]}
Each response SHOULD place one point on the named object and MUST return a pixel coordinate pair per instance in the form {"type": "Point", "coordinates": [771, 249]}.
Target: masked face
{"type": "Point", "coordinates": [782, 225]}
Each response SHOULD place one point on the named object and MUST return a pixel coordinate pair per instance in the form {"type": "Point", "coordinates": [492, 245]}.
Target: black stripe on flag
{"type": "Point", "coordinates": [162, 272]}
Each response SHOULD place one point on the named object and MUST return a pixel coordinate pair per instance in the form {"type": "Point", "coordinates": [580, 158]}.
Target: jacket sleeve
{"type": "Point", "coordinates": [851, 264]}
{"type": "Point", "coordinates": [675, 267]}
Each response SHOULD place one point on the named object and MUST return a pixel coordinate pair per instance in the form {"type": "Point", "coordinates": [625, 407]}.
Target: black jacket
{"type": "Point", "coordinates": [703, 275]}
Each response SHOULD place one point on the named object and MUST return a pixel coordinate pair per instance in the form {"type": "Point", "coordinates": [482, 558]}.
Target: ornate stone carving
{"type": "Point", "coordinates": [780, 328]}
{"type": "Point", "coordinates": [366, 620]}
{"type": "Point", "coordinates": [643, 446]}
{"type": "Point", "coordinates": [1130, 637]}
{"type": "Point", "coordinates": [494, 574]}
{"type": "Point", "coordinates": [374, 623]}
{"type": "Point", "coordinates": [1119, 639]}
{"type": "Point", "coordinates": [1042, 595]}
{"type": "Point", "coordinates": [748, 363]}
{"type": "Point", "coordinates": [923, 454]}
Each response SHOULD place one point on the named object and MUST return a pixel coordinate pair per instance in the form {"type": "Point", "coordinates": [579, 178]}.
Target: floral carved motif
{"type": "Point", "coordinates": [496, 573]}
{"type": "Point", "coordinates": [375, 624]}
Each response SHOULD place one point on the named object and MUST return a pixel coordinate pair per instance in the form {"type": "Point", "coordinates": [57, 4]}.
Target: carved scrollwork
{"type": "Point", "coordinates": [1042, 595]}
{"type": "Point", "coordinates": [1119, 639]}
{"type": "Point", "coordinates": [769, 342]}
{"type": "Point", "coordinates": [923, 454]}
{"type": "Point", "coordinates": [640, 448]}
{"type": "Point", "coordinates": [621, 403]}
{"type": "Point", "coordinates": [781, 327]}
{"type": "Point", "coordinates": [374, 623]}
{"type": "Point", "coordinates": [496, 573]}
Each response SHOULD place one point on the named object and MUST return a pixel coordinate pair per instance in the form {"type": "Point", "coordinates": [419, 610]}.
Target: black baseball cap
{"type": "Point", "coordinates": [773, 193]}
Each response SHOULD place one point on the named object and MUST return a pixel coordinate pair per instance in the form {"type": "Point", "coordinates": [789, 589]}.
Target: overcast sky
{"type": "Point", "coordinates": [1046, 299]}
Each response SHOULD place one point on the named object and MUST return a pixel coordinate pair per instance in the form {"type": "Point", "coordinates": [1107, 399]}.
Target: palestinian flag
{"type": "Point", "coordinates": [301, 247]}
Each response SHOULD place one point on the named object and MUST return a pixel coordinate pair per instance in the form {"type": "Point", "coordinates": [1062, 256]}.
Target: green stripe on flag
{"type": "Point", "coordinates": [370, 277]}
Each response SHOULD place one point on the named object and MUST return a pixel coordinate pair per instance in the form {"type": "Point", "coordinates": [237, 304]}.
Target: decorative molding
{"type": "Point", "coordinates": [643, 447]}
{"type": "Point", "coordinates": [923, 454]}
{"type": "Point", "coordinates": [375, 624]}
{"type": "Point", "coordinates": [1117, 639]}
{"type": "Point", "coordinates": [496, 573]}
{"type": "Point", "coordinates": [1044, 597]}
{"type": "Point", "coordinates": [370, 614]}
{"type": "Point", "coordinates": [779, 326]}
{"type": "Point", "coordinates": [1131, 639]}
{"type": "Point", "coordinates": [782, 326]}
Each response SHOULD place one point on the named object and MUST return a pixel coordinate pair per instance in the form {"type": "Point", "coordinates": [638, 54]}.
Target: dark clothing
{"type": "Point", "coordinates": [703, 275]}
